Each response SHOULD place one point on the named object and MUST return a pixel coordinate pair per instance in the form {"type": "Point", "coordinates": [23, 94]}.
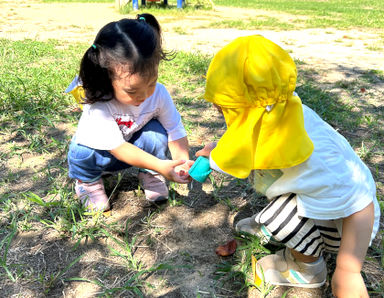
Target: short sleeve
{"type": "Point", "coordinates": [97, 128]}
{"type": "Point", "coordinates": [169, 117]}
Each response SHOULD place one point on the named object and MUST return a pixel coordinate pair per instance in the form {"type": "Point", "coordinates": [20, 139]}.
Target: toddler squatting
{"type": "Point", "coordinates": [322, 196]}
{"type": "Point", "coordinates": [128, 118]}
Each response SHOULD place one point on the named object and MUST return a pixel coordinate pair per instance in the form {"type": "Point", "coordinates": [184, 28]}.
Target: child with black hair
{"type": "Point", "coordinates": [322, 196]}
{"type": "Point", "coordinates": [128, 119]}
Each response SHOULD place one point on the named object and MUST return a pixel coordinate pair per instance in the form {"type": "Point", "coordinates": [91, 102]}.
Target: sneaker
{"type": "Point", "coordinates": [92, 195]}
{"type": "Point", "coordinates": [155, 186]}
{"type": "Point", "coordinates": [250, 226]}
{"type": "Point", "coordinates": [282, 269]}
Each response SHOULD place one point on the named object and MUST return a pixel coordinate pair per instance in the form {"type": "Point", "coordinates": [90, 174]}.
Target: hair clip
{"type": "Point", "coordinates": [93, 46]}
{"type": "Point", "coordinates": [142, 19]}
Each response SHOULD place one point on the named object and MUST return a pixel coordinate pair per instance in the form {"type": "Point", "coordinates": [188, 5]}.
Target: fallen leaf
{"type": "Point", "coordinates": [227, 249]}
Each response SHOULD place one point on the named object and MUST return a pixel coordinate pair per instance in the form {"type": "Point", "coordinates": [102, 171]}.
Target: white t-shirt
{"type": "Point", "coordinates": [107, 125]}
{"type": "Point", "coordinates": [332, 183]}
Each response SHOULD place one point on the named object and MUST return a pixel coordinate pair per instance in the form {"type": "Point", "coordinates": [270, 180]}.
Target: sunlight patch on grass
{"type": "Point", "coordinates": [254, 24]}
{"type": "Point", "coordinates": [331, 13]}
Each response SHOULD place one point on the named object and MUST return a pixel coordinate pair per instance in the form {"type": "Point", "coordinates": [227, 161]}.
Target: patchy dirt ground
{"type": "Point", "coordinates": [185, 231]}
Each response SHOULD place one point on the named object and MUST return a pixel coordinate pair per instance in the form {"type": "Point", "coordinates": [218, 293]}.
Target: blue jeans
{"type": "Point", "coordinates": [88, 164]}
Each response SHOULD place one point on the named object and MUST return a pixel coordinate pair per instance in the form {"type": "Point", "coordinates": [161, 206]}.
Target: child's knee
{"type": "Point", "coordinates": [152, 138]}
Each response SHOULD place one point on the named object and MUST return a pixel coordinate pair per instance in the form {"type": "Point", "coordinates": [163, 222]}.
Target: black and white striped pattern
{"type": "Point", "coordinates": [305, 235]}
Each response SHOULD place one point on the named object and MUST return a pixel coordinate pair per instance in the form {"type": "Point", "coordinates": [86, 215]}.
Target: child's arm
{"type": "Point", "coordinates": [180, 151]}
{"type": "Point", "coordinates": [206, 151]}
{"type": "Point", "coordinates": [134, 156]}
{"type": "Point", "coordinates": [357, 229]}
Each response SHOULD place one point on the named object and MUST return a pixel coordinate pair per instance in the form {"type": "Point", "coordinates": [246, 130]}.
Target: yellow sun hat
{"type": "Point", "coordinates": [253, 80]}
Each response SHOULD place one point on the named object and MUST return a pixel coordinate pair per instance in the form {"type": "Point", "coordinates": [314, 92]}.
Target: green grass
{"type": "Point", "coordinates": [318, 14]}
{"type": "Point", "coordinates": [264, 22]}
{"type": "Point", "coordinates": [33, 77]}
{"type": "Point", "coordinates": [332, 13]}
{"type": "Point", "coordinates": [238, 270]}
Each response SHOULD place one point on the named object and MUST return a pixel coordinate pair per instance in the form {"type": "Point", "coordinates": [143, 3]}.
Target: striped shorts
{"type": "Point", "coordinates": [279, 220]}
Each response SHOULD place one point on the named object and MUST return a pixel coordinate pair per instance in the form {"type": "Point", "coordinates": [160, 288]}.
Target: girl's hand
{"type": "Point", "coordinates": [206, 150]}
{"type": "Point", "coordinates": [348, 284]}
{"type": "Point", "coordinates": [173, 170]}
{"type": "Point", "coordinates": [183, 169]}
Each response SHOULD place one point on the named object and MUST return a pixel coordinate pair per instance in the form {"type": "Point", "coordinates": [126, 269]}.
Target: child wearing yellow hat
{"type": "Point", "coordinates": [322, 196]}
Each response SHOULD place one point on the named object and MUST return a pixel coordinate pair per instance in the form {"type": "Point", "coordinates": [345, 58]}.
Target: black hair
{"type": "Point", "coordinates": [134, 43]}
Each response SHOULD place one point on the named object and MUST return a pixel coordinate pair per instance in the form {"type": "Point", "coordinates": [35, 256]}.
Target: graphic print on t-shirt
{"type": "Point", "coordinates": [130, 123]}
{"type": "Point", "coordinates": [124, 123]}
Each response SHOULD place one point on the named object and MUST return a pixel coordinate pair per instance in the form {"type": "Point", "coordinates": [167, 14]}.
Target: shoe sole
{"type": "Point", "coordinates": [307, 286]}
{"type": "Point", "coordinates": [158, 200]}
